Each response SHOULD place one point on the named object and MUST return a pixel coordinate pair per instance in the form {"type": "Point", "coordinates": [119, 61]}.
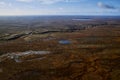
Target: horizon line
{"type": "Point", "coordinates": [58, 15]}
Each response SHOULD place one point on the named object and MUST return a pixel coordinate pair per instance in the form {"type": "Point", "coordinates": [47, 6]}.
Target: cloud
{"type": "Point", "coordinates": [25, 0]}
{"type": "Point", "coordinates": [4, 4]}
{"type": "Point", "coordinates": [105, 6]}
{"type": "Point", "coordinates": [44, 1]}
{"type": "Point", "coordinates": [60, 8]}
{"type": "Point", "coordinates": [50, 1]}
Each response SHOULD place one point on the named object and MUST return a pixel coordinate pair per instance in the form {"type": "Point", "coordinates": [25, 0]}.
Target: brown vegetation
{"type": "Point", "coordinates": [94, 54]}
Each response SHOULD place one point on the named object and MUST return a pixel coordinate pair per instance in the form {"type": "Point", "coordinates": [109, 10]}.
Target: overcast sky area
{"type": "Point", "coordinates": [60, 7]}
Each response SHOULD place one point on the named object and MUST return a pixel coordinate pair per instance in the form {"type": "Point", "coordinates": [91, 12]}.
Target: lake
{"type": "Point", "coordinates": [81, 19]}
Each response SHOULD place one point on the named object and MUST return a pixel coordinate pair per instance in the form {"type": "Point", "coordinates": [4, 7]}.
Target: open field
{"type": "Point", "coordinates": [91, 51]}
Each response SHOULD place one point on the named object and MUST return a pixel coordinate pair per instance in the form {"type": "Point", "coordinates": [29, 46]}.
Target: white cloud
{"type": "Point", "coordinates": [49, 1]}
{"type": "Point", "coordinates": [4, 4]}
{"type": "Point", "coordinates": [105, 6]}
{"type": "Point", "coordinates": [43, 1]}
{"type": "Point", "coordinates": [60, 8]}
{"type": "Point", "coordinates": [25, 0]}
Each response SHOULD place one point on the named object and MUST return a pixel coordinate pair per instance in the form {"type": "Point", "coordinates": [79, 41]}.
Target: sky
{"type": "Point", "coordinates": [60, 7]}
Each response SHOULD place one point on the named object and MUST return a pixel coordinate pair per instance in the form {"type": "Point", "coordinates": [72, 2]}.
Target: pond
{"type": "Point", "coordinates": [64, 42]}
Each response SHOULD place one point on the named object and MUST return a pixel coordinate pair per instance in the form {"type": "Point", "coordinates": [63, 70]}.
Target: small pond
{"type": "Point", "coordinates": [64, 42]}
